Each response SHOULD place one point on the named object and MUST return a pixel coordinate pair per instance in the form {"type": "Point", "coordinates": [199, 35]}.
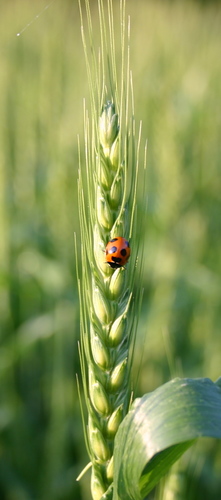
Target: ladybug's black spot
{"type": "Point", "coordinates": [114, 239]}
{"type": "Point", "coordinates": [112, 249]}
{"type": "Point", "coordinates": [123, 252]}
{"type": "Point", "coordinates": [127, 243]}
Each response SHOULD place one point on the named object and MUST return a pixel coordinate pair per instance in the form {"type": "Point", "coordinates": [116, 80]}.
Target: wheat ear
{"type": "Point", "coordinates": [107, 206]}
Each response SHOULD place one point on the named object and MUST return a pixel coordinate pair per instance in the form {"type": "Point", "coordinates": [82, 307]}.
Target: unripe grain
{"type": "Point", "coordinates": [102, 307]}
{"type": "Point", "coordinates": [99, 251]}
{"type": "Point", "coordinates": [114, 154]}
{"type": "Point", "coordinates": [104, 214]}
{"type": "Point", "coordinates": [100, 353]}
{"type": "Point", "coordinates": [104, 173]}
{"type": "Point", "coordinates": [117, 330]}
{"type": "Point", "coordinates": [98, 395]}
{"type": "Point", "coordinates": [118, 375]}
{"type": "Point", "coordinates": [114, 421]}
{"type": "Point", "coordinates": [108, 127]}
{"type": "Point", "coordinates": [97, 484]}
{"type": "Point", "coordinates": [117, 283]}
{"type": "Point", "coordinates": [110, 470]}
{"type": "Point", "coordinates": [98, 443]}
{"type": "Point", "coordinates": [116, 193]}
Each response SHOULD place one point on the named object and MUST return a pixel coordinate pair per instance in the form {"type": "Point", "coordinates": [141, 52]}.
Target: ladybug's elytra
{"type": "Point", "coordinates": [117, 252]}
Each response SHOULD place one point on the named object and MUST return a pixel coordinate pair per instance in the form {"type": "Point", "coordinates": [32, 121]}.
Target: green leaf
{"type": "Point", "coordinates": [158, 429]}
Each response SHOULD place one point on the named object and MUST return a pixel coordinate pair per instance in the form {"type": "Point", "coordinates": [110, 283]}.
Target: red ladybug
{"type": "Point", "coordinates": [117, 252]}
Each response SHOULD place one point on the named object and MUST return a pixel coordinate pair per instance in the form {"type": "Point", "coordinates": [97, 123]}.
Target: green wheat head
{"type": "Point", "coordinates": [107, 190]}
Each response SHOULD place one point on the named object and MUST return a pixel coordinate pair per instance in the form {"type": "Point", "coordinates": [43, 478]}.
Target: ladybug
{"type": "Point", "coordinates": [117, 252]}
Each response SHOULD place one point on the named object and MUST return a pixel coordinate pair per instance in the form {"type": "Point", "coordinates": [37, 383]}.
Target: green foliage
{"type": "Point", "coordinates": [176, 72]}
{"type": "Point", "coordinates": [159, 428]}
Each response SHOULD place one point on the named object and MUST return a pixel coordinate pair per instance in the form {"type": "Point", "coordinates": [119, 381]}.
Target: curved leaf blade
{"type": "Point", "coordinates": [158, 429]}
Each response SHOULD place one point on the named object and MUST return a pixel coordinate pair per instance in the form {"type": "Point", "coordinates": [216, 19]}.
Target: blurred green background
{"type": "Point", "coordinates": [175, 58]}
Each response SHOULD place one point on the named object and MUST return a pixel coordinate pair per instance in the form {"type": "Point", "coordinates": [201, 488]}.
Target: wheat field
{"type": "Point", "coordinates": [175, 60]}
